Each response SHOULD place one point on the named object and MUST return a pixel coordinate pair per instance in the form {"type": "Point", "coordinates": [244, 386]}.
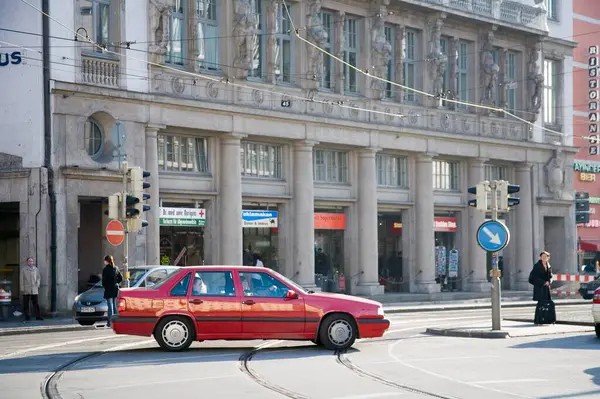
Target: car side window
{"type": "Point", "coordinates": [154, 277]}
{"type": "Point", "coordinates": [260, 284]}
{"type": "Point", "coordinates": [181, 288]}
{"type": "Point", "coordinates": [213, 284]}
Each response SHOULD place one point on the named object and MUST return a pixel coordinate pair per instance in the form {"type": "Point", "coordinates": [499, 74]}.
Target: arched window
{"type": "Point", "coordinates": [94, 138]}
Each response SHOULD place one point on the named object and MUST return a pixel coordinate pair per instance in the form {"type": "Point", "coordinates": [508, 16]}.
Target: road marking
{"type": "Point", "coordinates": [372, 395]}
{"type": "Point", "coordinates": [147, 383]}
{"type": "Point", "coordinates": [438, 359]}
{"type": "Point", "coordinates": [59, 344]}
{"type": "Point", "coordinates": [508, 381]}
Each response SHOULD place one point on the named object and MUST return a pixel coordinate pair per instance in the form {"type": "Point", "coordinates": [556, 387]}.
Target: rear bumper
{"type": "Point", "coordinates": [372, 328]}
{"type": "Point", "coordinates": [142, 326]}
{"type": "Point", "coordinates": [596, 313]}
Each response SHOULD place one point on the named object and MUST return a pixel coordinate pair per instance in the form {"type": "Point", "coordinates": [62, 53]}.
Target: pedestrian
{"type": "Point", "coordinates": [541, 278]}
{"type": "Point", "coordinates": [111, 278]}
{"type": "Point", "coordinates": [30, 286]}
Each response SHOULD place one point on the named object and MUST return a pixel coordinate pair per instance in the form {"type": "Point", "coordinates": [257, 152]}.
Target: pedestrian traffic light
{"type": "Point", "coordinates": [481, 191]}
{"type": "Point", "coordinates": [582, 208]}
{"type": "Point", "coordinates": [138, 185]}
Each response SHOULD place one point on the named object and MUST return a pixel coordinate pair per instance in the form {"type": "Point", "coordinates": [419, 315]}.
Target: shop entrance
{"type": "Point", "coordinates": [261, 236]}
{"type": "Point", "coordinates": [9, 253]}
{"type": "Point", "coordinates": [89, 243]}
{"type": "Point", "coordinates": [446, 251]}
{"type": "Point", "coordinates": [390, 265]}
{"type": "Point", "coordinates": [329, 251]}
{"type": "Point", "coordinates": [182, 234]}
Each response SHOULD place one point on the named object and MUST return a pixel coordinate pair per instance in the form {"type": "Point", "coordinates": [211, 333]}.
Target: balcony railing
{"type": "Point", "coordinates": [511, 12]}
{"type": "Point", "coordinates": [99, 71]}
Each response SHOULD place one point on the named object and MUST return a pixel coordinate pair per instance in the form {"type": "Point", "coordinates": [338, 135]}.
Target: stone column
{"type": "Point", "coordinates": [153, 229]}
{"type": "Point", "coordinates": [304, 210]}
{"type": "Point", "coordinates": [368, 283]}
{"type": "Point", "coordinates": [523, 237]}
{"type": "Point", "coordinates": [230, 201]}
{"type": "Point", "coordinates": [477, 258]}
{"type": "Point", "coordinates": [425, 276]}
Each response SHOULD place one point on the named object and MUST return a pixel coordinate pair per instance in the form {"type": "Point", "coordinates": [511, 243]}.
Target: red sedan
{"type": "Point", "coordinates": [243, 303]}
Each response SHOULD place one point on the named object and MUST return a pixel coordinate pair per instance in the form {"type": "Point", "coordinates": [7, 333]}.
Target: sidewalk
{"type": "Point", "coordinates": [18, 327]}
{"type": "Point", "coordinates": [511, 329]}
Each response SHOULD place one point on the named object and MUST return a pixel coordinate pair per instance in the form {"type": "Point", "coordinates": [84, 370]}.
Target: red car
{"type": "Point", "coordinates": [243, 303]}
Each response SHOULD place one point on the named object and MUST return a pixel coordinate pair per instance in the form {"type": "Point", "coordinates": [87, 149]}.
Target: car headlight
{"type": "Point", "coordinates": [76, 300]}
{"type": "Point", "coordinates": [380, 311]}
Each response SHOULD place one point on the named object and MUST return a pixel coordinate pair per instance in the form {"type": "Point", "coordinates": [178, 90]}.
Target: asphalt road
{"type": "Point", "coordinates": [403, 364]}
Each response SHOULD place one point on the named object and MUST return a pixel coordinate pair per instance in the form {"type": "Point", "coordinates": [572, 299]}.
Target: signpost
{"type": "Point", "coordinates": [115, 233]}
{"type": "Point", "coordinates": [493, 236]}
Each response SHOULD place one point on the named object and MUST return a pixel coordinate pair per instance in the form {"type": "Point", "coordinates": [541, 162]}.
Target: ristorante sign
{"type": "Point", "coordinates": [593, 137]}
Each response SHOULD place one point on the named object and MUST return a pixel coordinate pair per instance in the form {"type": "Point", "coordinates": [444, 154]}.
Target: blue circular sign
{"type": "Point", "coordinates": [493, 236]}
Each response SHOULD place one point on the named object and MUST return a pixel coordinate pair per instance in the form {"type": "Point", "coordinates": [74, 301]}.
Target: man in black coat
{"type": "Point", "coordinates": [541, 278]}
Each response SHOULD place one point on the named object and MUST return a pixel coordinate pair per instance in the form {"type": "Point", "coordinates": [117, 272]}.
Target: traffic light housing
{"type": "Point", "coordinates": [506, 189]}
{"type": "Point", "coordinates": [138, 198]}
{"type": "Point", "coordinates": [480, 190]}
{"type": "Point", "coordinates": [113, 206]}
{"type": "Point", "coordinates": [582, 208]}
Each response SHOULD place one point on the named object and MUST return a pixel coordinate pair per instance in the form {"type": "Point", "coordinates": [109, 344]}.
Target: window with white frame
{"type": "Point", "coordinates": [410, 64]}
{"type": "Point", "coordinates": [392, 170]}
{"type": "Point", "coordinates": [177, 34]}
{"type": "Point", "coordinates": [446, 175]}
{"type": "Point", "coordinates": [552, 9]}
{"type": "Point", "coordinates": [207, 35]}
{"type": "Point", "coordinates": [390, 37]}
{"type": "Point", "coordinates": [182, 153]}
{"type": "Point", "coordinates": [330, 166]}
{"type": "Point", "coordinates": [327, 77]}
{"type": "Point", "coordinates": [551, 82]}
{"type": "Point", "coordinates": [93, 138]}
{"type": "Point", "coordinates": [283, 55]}
{"type": "Point", "coordinates": [511, 77]}
{"type": "Point", "coordinates": [495, 172]}
{"type": "Point", "coordinates": [261, 160]}
{"type": "Point", "coordinates": [462, 78]}
{"type": "Point", "coordinates": [258, 47]}
{"type": "Point", "coordinates": [350, 54]}
{"type": "Point", "coordinates": [96, 20]}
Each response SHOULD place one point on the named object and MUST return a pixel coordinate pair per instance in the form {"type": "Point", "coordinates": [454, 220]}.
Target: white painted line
{"type": "Point", "coordinates": [372, 395]}
{"type": "Point", "coordinates": [268, 344]}
{"type": "Point", "coordinates": [171, 381]}
{"type": "Point", "coordinates": [438, 359]}
{"type": "Point", "coordinates": [508, 381]}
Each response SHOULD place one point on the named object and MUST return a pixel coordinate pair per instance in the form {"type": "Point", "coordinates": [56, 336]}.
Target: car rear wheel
{"type": "Point", "coordinates": [598, 330]}
{"type": "Point", "coordinates": [338, 331]}
{"type": "Point", "coordinates": [174, 333]}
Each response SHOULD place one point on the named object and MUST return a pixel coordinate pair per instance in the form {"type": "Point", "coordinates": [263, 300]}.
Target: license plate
{"type": "Point", "coordinates": [88, 310]}
{"type": "Point", "coordinates": [591, 292]}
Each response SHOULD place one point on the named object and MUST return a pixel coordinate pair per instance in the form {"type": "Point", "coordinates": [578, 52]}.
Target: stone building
{"type": "Point", "coordinates": [257, 140]}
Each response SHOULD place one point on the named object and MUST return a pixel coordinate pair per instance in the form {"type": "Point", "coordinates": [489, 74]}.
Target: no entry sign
{"type": "Point", "coordinates": [115, 233]}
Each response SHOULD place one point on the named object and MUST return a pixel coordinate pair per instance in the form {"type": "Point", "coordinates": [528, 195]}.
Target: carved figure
{"type": "Point", "coordinates": [489, 71]}
{"type": "Point", "coordinates": [438, 62]}
{"type": "Point", "coordinates": [245, 21]}
{"type": "Point", "coordinates": [536, 97]}
{"type": "Point", "coordinates": [381, 53]}
{"type": "Point", "coordinates": [318, 36]}
{"type": "Point", "coordinates": [160, 16]}
{"type": "Point", "coordinates": [535, 81]}
{"type": "Point", "coordinates": [555, 176]}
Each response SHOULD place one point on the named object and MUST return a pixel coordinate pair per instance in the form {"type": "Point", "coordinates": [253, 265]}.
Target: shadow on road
{"type": "Point", "coordinates": [582, 342]}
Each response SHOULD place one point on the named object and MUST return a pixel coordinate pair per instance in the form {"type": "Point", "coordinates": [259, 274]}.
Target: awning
{"type": "Point", "coordinates": [588, 247]}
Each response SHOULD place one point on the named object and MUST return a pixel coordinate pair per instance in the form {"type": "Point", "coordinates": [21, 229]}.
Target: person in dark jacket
{"type": "Point", "coordinates": [111, 278]}
{"type": "Point", "coordinates": [541, 278]}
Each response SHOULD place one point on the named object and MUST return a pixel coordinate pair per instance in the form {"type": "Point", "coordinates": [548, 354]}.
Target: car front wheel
{"type": "Point", "coordinates": [174, 333]}
{"type": "Point", "coordinates": [598, 330]}
{"type": "Point", "coordinates": [338, 331]}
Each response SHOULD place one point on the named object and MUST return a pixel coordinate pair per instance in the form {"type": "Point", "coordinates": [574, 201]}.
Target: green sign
{"type": "Point", "coordinates": [586, 167]}
{"type": "Point", "coordinates": [182, 222]}
{"type": "Point", "coordinates": [594, 200]}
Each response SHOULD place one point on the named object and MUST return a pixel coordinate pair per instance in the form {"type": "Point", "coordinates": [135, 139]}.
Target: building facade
{"type": "Point", "coordinates": [257, 140]}
{"type": "Point", "coordinates": [586, 24]}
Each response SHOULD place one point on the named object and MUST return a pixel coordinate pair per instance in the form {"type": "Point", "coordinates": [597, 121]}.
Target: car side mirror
{"type": "Point", "coordinates": [291, 294]}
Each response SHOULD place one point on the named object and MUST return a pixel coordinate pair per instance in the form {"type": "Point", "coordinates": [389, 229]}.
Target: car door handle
{"type": "Point", "coordinates": [249, 302]}
{"type": "Point", "coordinates": [196, 301]}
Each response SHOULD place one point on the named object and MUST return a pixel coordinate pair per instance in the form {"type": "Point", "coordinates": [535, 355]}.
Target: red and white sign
{"type": "Point", "coordinates": [445, 224]}
{"type": "Point", "coordinates": [115, 233]}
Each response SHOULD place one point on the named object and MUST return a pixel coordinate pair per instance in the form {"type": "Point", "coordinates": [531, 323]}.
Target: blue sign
{"type": "Point", "coordinates": [259, 218]}
{"type": "Point", "coordinates": [493, 236]}
{"type": "Point", "coordinates": [14, 58]}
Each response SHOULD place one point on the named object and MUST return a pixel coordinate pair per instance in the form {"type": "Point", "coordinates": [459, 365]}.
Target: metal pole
{"type": "Point", "coordinates": [124, 220]}
{"type": "Point", "coordinates": [496, 309]}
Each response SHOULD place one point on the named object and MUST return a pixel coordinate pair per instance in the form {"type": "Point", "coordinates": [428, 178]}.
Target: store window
{"type": "Point", "coordinates": [330, 166]}
{"type": "Point", "coordinates": [330, 225]}
{"type": "Point", "coordinates": [260, 224]}
{"type": "Point", "coordinates": [182, 234]}
{"type": "Point", "coordinates": [390, 265]}
{"type": "Point", "coordinates": [182, 154]}
{"type": "Point", "coordinates": [261, 160]}
{"type": "Point", "coordinates": [446, 175]}
{"type": "Point", "coordinates": [446, 250]}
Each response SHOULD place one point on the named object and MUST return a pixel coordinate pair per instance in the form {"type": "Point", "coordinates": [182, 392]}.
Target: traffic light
{"type": "Point", "coordinates": [582, 207]}
{"type": "Point", "coordinates": [506, 189]}
{"type": "Point", "coordinates": [138, 185]}
{"type": "Point", "coordinates": [113, 206]}
{"type": "Point", "coordinates": [480, 190]}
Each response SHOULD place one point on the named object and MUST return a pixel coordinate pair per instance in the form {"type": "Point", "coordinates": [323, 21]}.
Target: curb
{"type": "Point", "coordinates": [38, 330]}
{"type": "Point", "coordinates": [467, 334]}
{"type": "Point", "coordinates": [564, 322]}
{"type": "Point", "coordinates": [450, 307]}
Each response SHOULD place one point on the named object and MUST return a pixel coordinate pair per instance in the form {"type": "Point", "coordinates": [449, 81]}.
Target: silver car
{"type": "Point", "coordinates": [90, 306]}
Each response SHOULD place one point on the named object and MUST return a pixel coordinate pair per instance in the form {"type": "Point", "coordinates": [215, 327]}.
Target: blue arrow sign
{"type": "Point", "coordinates": [493, 236]}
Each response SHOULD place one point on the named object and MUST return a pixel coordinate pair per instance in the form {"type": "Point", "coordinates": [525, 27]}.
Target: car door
{"type": "Point", "coordinates": [266, 309]}
{"type": "Point", "coordinates": [215, 304]}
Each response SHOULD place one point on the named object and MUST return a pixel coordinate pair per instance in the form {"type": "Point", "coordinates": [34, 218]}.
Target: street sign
{"type": "Point", "coordinates": [493, 236]}
{"type": "Point", "coordinates": [115, 233]}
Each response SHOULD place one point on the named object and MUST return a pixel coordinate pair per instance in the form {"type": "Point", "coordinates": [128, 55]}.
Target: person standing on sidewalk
{"type": "Point", "coordinates": [541, 278]}
{"type": "Point", "coordinates": [30, 285]}
{"type": "Point", "coordinates": [111, 278]}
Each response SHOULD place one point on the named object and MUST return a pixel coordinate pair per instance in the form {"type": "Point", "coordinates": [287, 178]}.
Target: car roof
{"type": "Point", "coordinates": [225, 267]}
{"type": "Point", "coordinates": [154, 267]}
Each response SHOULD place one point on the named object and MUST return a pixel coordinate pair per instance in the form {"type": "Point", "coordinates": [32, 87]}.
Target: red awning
{"type": "Point", "coordinates": [588, 247]}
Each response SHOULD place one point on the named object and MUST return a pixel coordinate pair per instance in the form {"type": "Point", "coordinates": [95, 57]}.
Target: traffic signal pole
{"type": "Point", "coordinates": [496, 297]}
{"type": "Point", "coordinates": [125, 171]}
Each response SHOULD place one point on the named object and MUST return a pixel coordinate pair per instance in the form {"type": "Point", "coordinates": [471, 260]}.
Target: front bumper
{"type": "Point", "coordinates": [100, 312]}
{"type": "Point", "coordinates": [372, 327]}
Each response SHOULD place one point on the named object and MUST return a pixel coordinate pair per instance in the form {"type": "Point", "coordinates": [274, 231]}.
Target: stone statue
{"type": "Point", "coordinates": [245, 25]}
{"type": "Point", "coordinates": [535, 80]}
{"type": "Point", "coordinates": [160, 19]}
{"type": "Point", "coordinates": [438, 61]}
{"type": "Point", "coordinates": [381, 53]}
{"type": "Point", "coordinates": [555, 175]}
{"type": "Point", "coordinates": [536, 97]}
{"type": "Point", "coordinates": [317, 35]}
{"type": "Point", "coordinates": [489, 71]}
{"type": "Point", "coordinates": [440, 64]}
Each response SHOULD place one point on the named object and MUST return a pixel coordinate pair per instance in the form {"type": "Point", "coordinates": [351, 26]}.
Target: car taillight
{"type": "Point", "coordinates": [121, 305]}
{"type": "Point", "coordinates": [597, 297]}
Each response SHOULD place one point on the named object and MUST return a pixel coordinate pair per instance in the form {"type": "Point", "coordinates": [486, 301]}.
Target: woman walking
{"type": "Point", "coordinates": [111, 278]}
{"type": "Point", "coordinates": [541, 278]}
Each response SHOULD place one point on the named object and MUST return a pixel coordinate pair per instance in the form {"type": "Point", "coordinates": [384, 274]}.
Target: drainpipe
{"type": "Point", "coordinates": [48, 147]}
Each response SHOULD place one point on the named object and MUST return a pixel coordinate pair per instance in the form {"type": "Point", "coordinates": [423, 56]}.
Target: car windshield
{"type": "Point", "coordinates": [290, 283]}
{"type": "Point", "coordinates": [135, 276]}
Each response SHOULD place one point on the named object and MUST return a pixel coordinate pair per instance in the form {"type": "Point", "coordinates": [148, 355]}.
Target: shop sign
{"type": "Point", "coordinates": [14, 58]}
{"type": "Point", "coordinates": [445, 224]}
{"type": "Point", "coordinates": [593, 138]}
{"type": "Point", "coordinates": [182, 217]}
{"type": "Point", "coordinates": [587, 177]}
{"type": "Point", "coordinates": [592, 224]}
{"type": "Point", "coordinates": [586, 167]}
{"type": "Point", "coordinates": [259, 218]}
{"type": "Point", "coordinates": [330, 221]}
{"type": "Point", "coordinates": [396, 228]}
{"type": "Point", "coordinates": [594, 200]}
